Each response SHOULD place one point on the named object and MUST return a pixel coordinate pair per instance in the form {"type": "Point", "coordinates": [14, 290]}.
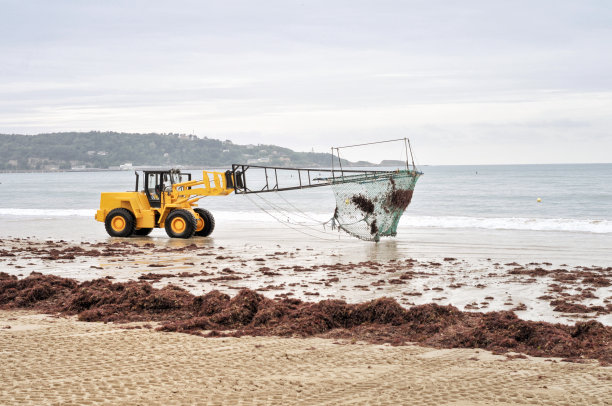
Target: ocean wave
{"type": "Point", "coordinates": [510, 223]}
{"type": "Point", "coordinates": [311, 219]}
{"type": "Point", "coordinates": [47, 212]}
{"type": "Point", "coordinates": [240, 216]}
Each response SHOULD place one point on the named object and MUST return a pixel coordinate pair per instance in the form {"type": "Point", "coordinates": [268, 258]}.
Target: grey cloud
{"type": "Point", "coordinates": [304, 73]}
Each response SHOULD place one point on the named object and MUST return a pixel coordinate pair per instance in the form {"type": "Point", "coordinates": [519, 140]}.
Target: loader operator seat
{"type": "Point", "coordinates": [154, 187]}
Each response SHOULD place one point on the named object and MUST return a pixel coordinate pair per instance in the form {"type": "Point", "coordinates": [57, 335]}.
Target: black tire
{"type": "Point", "coordinates": [143, 231]}
{"type": "Point", "coordinates": [209, 223]}
{"type": "Point", "coordinates": [120, 223]}
{"type": "Point", "coordinates": [180, 224]}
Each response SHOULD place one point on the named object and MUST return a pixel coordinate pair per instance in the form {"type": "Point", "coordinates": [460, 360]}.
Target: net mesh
{"type": "Point", "coordinates": [370, 206]}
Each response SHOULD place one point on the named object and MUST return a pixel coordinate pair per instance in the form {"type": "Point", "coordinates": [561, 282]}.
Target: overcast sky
{"type": "Point", "coordinates": [470, 82]}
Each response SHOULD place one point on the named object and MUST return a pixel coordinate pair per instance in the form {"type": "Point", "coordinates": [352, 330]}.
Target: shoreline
{"type": "Point", "coordinates": [195, 168]}
{"type": "Point", "coordinates": [469, 243]}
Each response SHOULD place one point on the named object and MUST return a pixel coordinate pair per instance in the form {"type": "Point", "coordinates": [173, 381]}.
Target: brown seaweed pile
{"type": "Point", "coordinates": [363, 203]}
{"type": "Point", "coordinates": [249, 313]}
{"type": "Point", "coordinates": [96, 300]}
{"type": "Point", "coordinates": [400, 199]}
{"type": "Point", "coordinates": [373, 227]}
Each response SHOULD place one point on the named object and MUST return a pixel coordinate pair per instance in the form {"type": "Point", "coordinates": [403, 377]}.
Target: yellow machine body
{"type": "Point", "coordinates": [180, 195]}
{"type": "Point", "coordinates": [135, 202]}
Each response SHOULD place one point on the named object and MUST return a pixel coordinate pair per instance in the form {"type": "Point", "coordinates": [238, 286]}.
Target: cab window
{"type": "Point", "coordinates": [153, 185]}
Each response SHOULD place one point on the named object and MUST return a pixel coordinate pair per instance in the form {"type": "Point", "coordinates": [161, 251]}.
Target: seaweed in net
{"type": "Point", "coordinates": [370, 206]}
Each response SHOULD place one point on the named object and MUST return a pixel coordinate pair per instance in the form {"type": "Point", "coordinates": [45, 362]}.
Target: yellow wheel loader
{"type": "Point", "coordinates": [168, 199]}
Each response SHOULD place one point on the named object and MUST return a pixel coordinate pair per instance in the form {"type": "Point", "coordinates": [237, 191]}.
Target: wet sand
{"type": "Point", "coordinates": [419, 242]}
{"type": "Point", "coordinates": [539, 291]}
{"type": "Point", "coordinates": [49, 360]}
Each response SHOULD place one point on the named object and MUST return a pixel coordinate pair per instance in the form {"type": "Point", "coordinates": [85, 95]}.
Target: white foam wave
{"type": "Point", "coordinates": [489, 223]}
{"type": "Point", "coordinates": [514, 223]}
{"type": "Point", "coordinates": [48, 212]}
{"type": "Point", "coordinates": [240, 216]}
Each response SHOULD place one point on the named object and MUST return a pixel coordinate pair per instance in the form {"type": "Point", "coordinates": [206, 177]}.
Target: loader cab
{"type": "Point", "coordinates": [156, 183]}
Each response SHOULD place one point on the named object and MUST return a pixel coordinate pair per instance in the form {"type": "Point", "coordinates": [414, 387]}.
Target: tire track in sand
{"type": "Point", "coordinates": [48, 360]}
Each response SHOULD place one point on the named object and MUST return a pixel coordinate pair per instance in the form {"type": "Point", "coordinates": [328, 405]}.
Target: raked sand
{"type": "Point", "coordinates": [48, 360]}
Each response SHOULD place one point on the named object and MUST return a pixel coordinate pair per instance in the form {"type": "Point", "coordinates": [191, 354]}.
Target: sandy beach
{"type": "Point", "coordinates": [50, 360]}
{"type": "Point", "coordinates": [57, 359]}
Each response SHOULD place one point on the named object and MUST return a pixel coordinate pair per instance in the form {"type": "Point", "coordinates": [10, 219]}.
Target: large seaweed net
{"type": "Point", "coordinates": [369, 206]}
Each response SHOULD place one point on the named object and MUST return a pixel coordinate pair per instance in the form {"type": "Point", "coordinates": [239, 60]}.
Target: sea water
{"type": "Point", "coordinates": [466, 211]}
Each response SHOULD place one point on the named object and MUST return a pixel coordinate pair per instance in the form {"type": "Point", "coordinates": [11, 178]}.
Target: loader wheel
{"type": "Point", "coordinates": [143, 231]}
{"type": "Point", "coordinates": [180, 224]}
{"type": "Point", "coordinates": [120, 223]}
{"type": "Point", "coordinates": [205, 224]}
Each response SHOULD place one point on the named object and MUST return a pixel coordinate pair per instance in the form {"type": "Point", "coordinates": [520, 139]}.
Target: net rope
{"type": "Point", "coordinates": [283, 218]}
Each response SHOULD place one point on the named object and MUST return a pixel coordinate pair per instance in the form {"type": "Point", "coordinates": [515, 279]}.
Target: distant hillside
{"type": "Point", "coordinates": [62, 151]}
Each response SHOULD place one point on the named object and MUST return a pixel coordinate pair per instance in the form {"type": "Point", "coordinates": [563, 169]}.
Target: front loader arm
{"type": "Point", "coordinates": [212, 184]}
